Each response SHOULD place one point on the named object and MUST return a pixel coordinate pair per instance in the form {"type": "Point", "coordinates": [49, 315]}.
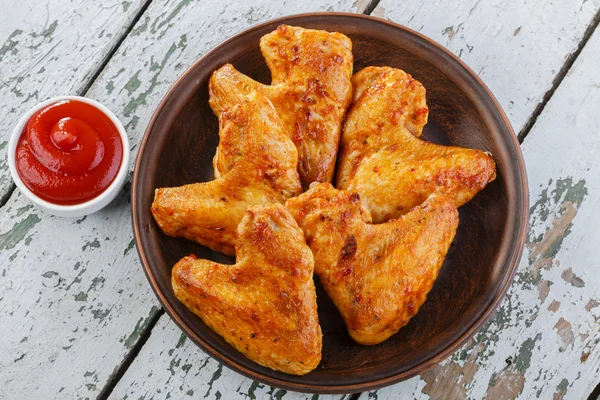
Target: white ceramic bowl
{"type": "Point", "coordinates": [75, 210]}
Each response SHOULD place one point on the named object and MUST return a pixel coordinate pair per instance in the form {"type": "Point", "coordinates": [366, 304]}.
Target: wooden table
{"type": "Point", "coordinates": [77, 316]}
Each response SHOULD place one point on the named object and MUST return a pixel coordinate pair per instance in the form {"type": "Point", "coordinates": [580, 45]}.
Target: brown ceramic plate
{"type": "Point", "coordinates": [181, 140]}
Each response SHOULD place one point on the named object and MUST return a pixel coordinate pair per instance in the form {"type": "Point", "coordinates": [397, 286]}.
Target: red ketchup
{"type": "Point", "coordinates": [69, 152]}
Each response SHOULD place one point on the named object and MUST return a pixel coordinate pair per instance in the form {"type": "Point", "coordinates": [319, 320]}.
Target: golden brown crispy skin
{"type": "Point", "coordinates": [264, 305]}
{"type": "Point", "coordinates": [382, 159]}
{"type": "Point", "coordinates": [378, 276]}
{"type": "Point", "coordinates": [255, 163]}
{"type": "Point", "coordinates": [311, 90]}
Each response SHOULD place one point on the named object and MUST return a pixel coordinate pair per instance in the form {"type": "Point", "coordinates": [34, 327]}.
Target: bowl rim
{"type": "Point", "coordinates": [435, 359]}
{"type": "Point", "coordinates": [89, 206]}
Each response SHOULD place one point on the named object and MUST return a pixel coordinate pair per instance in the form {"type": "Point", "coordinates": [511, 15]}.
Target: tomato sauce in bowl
{"type": "Point", "coordinates": [69, 152]}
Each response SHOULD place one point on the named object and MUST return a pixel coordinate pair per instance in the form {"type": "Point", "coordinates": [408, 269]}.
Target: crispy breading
{"type": "Point", "coordinates": [382, 158]}
{"type": "Point", "coordinates": [264, 305]}
{"type": "Point", "coordinates": [255, 163]}
{"type": "Point", "coordinates": [311, 90]}
{"type": "Point", "coordinates": [378, 276]}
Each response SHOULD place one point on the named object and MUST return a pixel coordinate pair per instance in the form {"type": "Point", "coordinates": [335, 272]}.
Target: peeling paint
{"type": "Point", "coordinates": [140, 27]}
{"type": "Point", "coordinates": [48, 32]}
{"type": "Point", "coordinates": [560, 199]}
{"type": "Point", "coordinates": [452, 380]}
{"type": "Point", "coordinates": [110, 86]}
{"type": "Point", "coordinates": [543, 289]}
{"type": "Point", "coordinates": [565, 331]}
{"type": "Point", "coordinates": [98, 280]}
{"type": "Point", "coordinates": [508, 384]}
{"type": "Point", "coordinates": [523, 358]}
{"type": "Point", "coordinates": [449, 31]}
{"type": "Point", "coordinates": [252, 389]}
{"type": "Point", "coordinates": [593, 303]}
{"type": "Point", "coordinates": [181, 341]}
{"type": "Point", "coordinates": [28, 240]}
{"type": "Point", "coordinates": [129, 247]}
{"type": "Point", "coordinates": [81, 296]}
{"type": "Point", "coordinates": [570, 277]}
{"type": "Point", "coordinates": [10, 45]}
{"type": "Point", "coordinates": [100, 314]}
{"type": "Point", "coordinates": [566, 191]}
{"type": "Point", "coordinates": [176, 10]}
{"type": "Point", "coordinates": [134, 103]}
{"type": "Point", "coordinates": [516, 32]}
{"type": "Point", "coordinates": [95, 244]}
{"type": "Point", "coordinates": [174, 364]}
{"type": "Point", "coordinates": [186, 367]}
{"type": "Point", "coordinates": [216, 375]}
{"type": "Point", "coordinates": [18, 232]}
{"type": "Point", "coordinates": [133, 83]}
{"type": "Point", "coordinates": [561, 390]}
{"type": "Point", "coordinates": [378, 12]}
{"type": "Point", "coordinates": [554, 306]}
{"type": "Point", "coordinates": [132, 124]}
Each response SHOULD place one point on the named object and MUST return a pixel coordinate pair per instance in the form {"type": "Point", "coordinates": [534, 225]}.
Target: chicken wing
{"type": "Point", "coordinates": [255, 163]}
{"type": "Point", "coordinates": [311, 90]}
{"type": "Point", "coordinates": [378, 276]}
{"type": "Point", "coordinates": [264, 305]}
{"type": "Point", "coordinates": [382, 158]}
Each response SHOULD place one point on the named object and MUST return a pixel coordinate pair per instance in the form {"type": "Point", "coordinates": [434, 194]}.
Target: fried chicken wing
{"type": "Point", "coordinates": [382, 158]}
{"type": "Point", "coordinates": [255, 163]}
{"type": "Point", "coordinates": [378, 276]}
{"type": "Point", "coordinates": [311, 90]}
{"type": "Point", "coordinates": [264, 305]}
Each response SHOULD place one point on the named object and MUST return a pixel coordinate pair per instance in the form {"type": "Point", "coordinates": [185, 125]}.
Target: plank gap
{"type": "Point", "coordinates": [595, 395]}
{"type": "Point", "coordinates": [370, 7]}
{"type": "Point", "coordinates": [116, 47]}
{"type": "Point", "coordinates": [4, 199]}
{"type": "Point", "coordinates": [122, 368]}
{"type": "Point", "coordinates": [559, 77]}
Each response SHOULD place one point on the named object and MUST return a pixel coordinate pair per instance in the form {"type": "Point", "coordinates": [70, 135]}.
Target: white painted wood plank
{"type": "Point", "coordinates": [544, 339]}
{"type": "Point", "coordinates": [70, 292]}
{"type": "Point", "coordinates": [172, 366]}
{"type": "Point", "coordinates": [51, 48]}
{"type": "Point", "coordinates": [517, 47]}
{"type": "Point", "coordinates": [73, 297]}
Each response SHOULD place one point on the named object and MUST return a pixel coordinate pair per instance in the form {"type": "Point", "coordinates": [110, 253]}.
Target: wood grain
{"type": "Point", "coordinates": [52, 48]}
{"type": "Point", "coordinates": [73, 297]}
{"type": "Point", "coordinates": [70, 292]}
{"type": "Point", "coordinates": [517, 47]}
{"type": "Point", "coordinates": [170, 363]}
{"type": "Point", "coordinates": [543, 342]}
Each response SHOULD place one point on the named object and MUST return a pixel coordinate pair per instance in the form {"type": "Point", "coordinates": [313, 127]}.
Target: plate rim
{"type": "Point", "coordinates": [522, 224]}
